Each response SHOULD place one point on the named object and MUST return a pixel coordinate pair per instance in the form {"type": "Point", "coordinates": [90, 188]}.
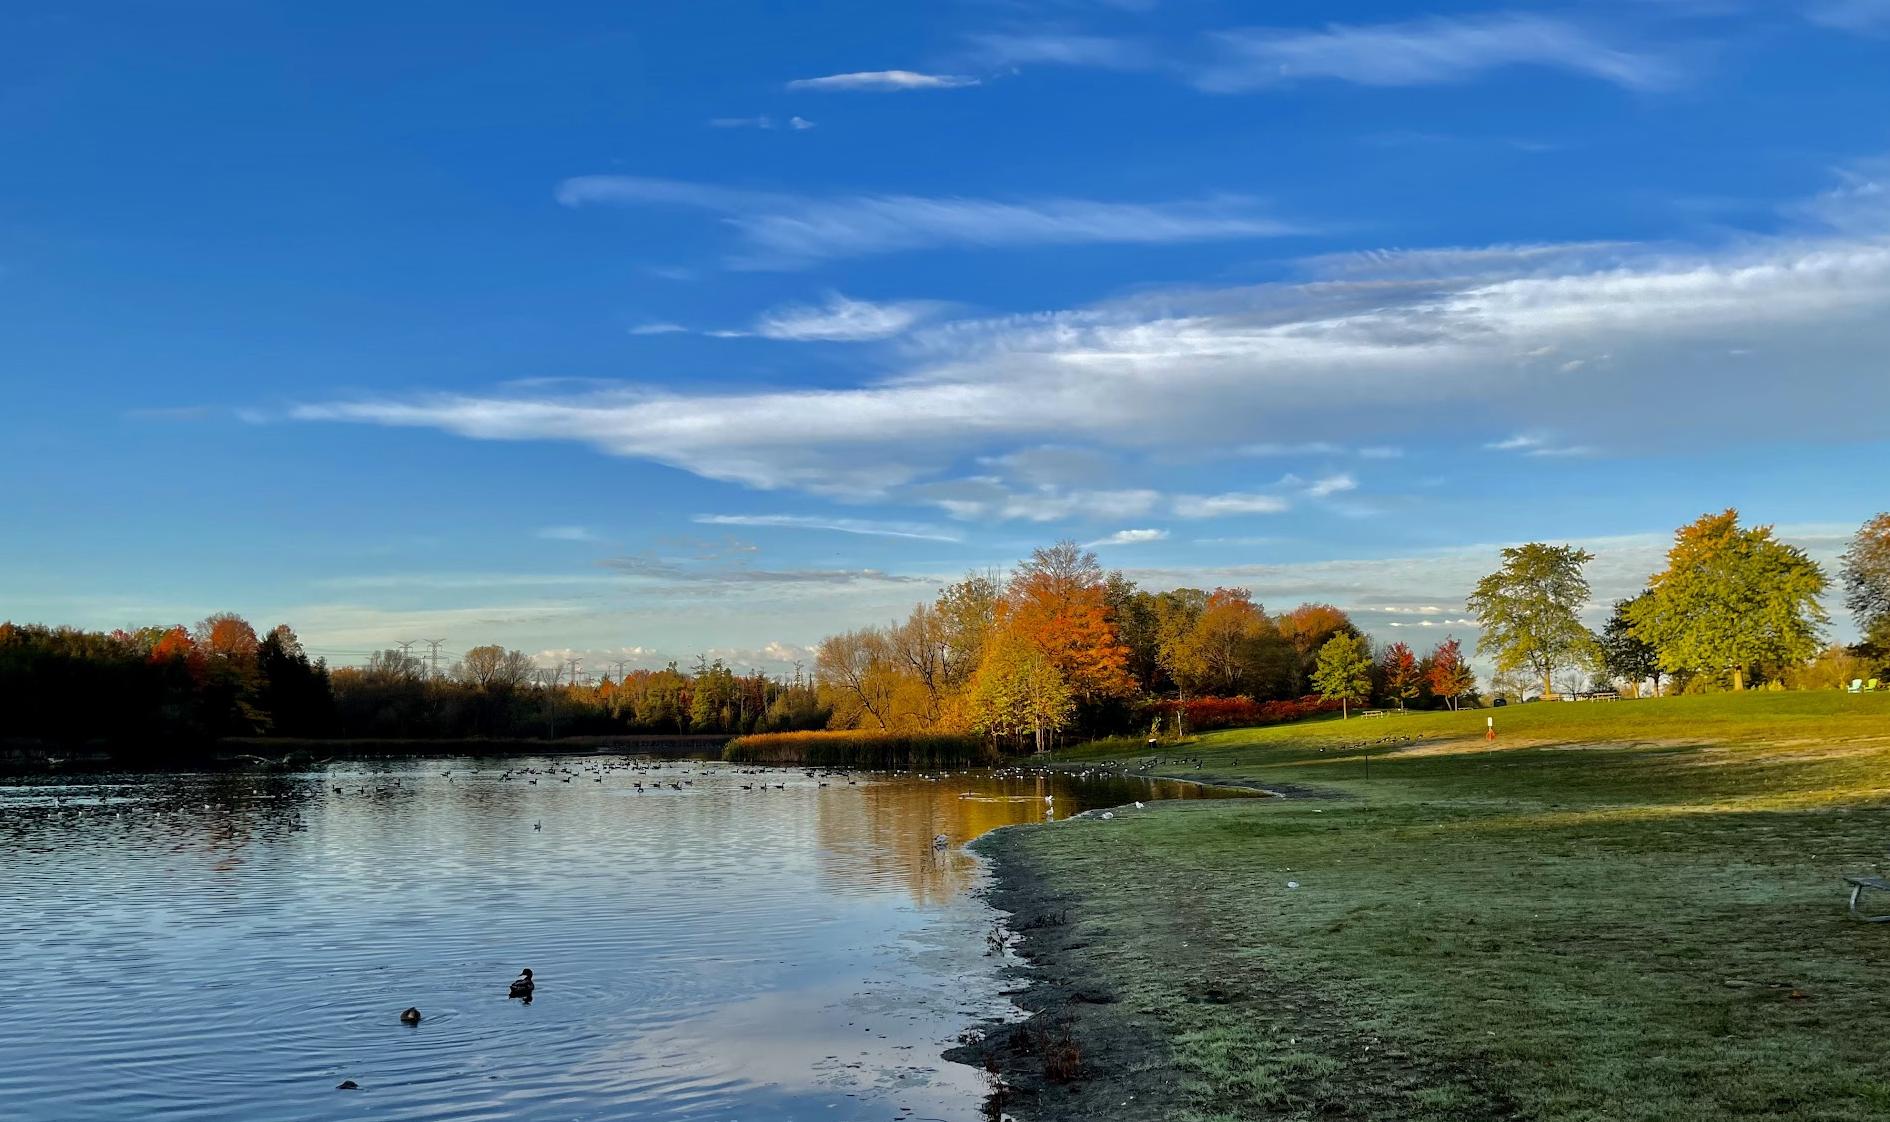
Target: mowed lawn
{"type": "Point", "coordinates": [1617, 910]}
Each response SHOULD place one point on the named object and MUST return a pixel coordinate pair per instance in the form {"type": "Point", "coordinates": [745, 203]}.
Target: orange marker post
{"type": "Point", "coordinates": [1489, 728]}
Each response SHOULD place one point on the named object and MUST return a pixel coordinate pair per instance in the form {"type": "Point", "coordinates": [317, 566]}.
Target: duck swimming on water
{"type": "Point", "coordinates": [410, 1016]}
{"type": "Point", "coordinates": [522, 987]}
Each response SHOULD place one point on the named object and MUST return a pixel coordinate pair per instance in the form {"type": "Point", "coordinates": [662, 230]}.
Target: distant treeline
{"type": "Point", "coordinates": [154, 689]}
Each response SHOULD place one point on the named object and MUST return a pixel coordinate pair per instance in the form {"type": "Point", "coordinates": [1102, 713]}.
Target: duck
{"type": "Point", "coordinates": [523, 986]}
{"type": "Point", "coordinates": [410, 1016]}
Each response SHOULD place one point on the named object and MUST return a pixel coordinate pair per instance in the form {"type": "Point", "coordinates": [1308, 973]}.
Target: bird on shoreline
{"type": "Point", "coordinates": [522, 986]}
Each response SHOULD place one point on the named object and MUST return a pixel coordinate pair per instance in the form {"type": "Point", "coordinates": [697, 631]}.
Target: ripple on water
{"type": "Point", "coordinates": [213, 948]}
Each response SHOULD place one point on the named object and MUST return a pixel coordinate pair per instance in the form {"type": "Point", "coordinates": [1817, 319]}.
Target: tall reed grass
{"type": "Point", "coordinates": [863, 749]}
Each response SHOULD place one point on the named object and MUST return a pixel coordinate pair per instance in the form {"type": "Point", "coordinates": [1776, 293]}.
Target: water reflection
{"type": "Point", "coordinates": [709, 942]}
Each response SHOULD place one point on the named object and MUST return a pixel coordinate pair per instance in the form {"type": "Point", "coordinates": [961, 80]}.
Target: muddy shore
{"type": "Point", "coordinates": [1079, 1056]}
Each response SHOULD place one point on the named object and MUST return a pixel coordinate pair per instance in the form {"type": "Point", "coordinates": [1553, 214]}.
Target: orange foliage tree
{"type": "Point", "coordinates": [1057, 602]}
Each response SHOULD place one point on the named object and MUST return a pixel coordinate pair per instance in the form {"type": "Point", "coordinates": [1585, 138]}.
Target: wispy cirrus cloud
{"type": "Point", "coordinates": [1425, 52]}
{"type": "Point", "coordinates": [883, 80]}
{"type": "Point", "coordinates": [1196, 370]}
{"type": "Point", "coordinates": [864, 526]}
{"type": "Point", "coordinates": [1851, 15]}
{"type": "Point", "coordinates": [663, 569]}
{"type": "Point", "coordinates": [839, 319]}
{"type": "Point", "coordinates": [1538, 444]}
{"type": "Point", "coordinates": [1229, 503]}
{"type": "Point", "coordinates": [567, 534]}
{"type": "Point", "coordinates": [790, 231]}
{"type": "Point", "coordinates": [765, 123]}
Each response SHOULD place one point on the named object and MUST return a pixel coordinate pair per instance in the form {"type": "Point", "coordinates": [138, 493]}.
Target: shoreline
{"type": "Point", "coordinates": [1073, 1057]}
{"type": "Point", "coordinates": [1077, 1055]}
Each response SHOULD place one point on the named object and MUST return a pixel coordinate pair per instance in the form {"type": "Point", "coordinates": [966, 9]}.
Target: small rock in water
{"type": "Point", "coordinates": [347, 1085]}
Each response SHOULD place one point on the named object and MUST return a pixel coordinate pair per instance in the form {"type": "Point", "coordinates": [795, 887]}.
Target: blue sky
{"type": "Point", "coordinates": [641, 330]}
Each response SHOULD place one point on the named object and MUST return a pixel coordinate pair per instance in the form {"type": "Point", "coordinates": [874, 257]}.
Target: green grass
{"type": "Point", "coordinates": [1628, 910]}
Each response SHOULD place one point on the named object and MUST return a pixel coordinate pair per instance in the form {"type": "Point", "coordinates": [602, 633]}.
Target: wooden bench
{"type": "Point", "coordinates": [1372, 713]}
{"type": "Point", "coordinates": [1859, 885]}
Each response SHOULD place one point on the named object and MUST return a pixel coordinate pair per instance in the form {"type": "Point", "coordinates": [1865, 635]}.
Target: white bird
{"type": "Point", "coordinates": [1138, 806]}
{"type": "Point", "coordinates": [1107, 816]}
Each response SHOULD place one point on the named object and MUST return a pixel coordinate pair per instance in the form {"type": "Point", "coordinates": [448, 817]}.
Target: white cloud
{"type": "Point", "coordinates": [1200, 370]}
{"type": "Point", "coordinates": [1534, 444]}
{"type": "Point", "coordinates": [986, 499]}
{"type": "Point", "coordinates": [842, 320]}
{"type": "Point", "coordinates": [1331, 485]}
{"type": "Point", "coordinates": [567, 534]}
{"type": "Point", "coordinates": [1423, 52]}
{"type": "Point", "coordinates": [869, 527]}
{"type": "Point", "coordinates": [883, 80]}
{"type": "Point", "coordinates": [788, 231]}
{"type": "Point", "coordinates": [658, 329]}
{"type": "Point", "coordinates": [1022, 48]}
{"type": "Point", "coordinates": [765, 123]}
{"type": "Point", "coordinates": [1229, 503]}
{"type": "Point", "coordinates": [1851, 15]}
{"type": "Point", "coordinates": [1130, 537]}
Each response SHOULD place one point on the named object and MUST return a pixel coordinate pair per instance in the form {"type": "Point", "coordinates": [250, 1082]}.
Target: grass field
{"type": "Point", "coordinates": [1627, 910]}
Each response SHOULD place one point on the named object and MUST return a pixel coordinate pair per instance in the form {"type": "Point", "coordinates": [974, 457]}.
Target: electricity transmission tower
{"type": "Point", "coordinates": [434, 655]}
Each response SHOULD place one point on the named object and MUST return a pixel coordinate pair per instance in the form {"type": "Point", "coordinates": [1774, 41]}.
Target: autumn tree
{"type": "Point", "coordinates": [1308, 628]}
{"type": "Point", "coordinates": [1729, 599]}
{"type": "Point", "coordinates": [1450, 675]}
{"type": "Point", "coordinates": [1342, 672]}
{"type": "Point", "coordinates": [1019, 691]}
{"type": "Point", "coordinates": [1056, 601]}
{"type": "Point", "coordinates": [921, 648]}
{"type": "Point", "coordinates": [1624, 654]}
{"type": "Point", "coordinates": [226, 636]}
{"type": "Point", "coordinates": [1399, 668]}
{"type": "Point", "coordinates": [858, 678]}
{"type": "Point", "coordinates": [967, 614]}
{"type": "Point", "coordinates": [1530, 610]}
{"type": "Point", "coordinates": [1866, 576]}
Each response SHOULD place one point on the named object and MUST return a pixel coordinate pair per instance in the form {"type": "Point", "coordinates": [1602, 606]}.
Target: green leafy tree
{"type": "Point", "coordinates": [1731, 598]}
{"type": "Point", "coordinates": [1625, 655]}
{"type": "Point", "coordinates": [1343, 671]}
{"type": "Point", "coordinates": [1530, 611]}
{"type": "Point", "coordinates": [1866, 575]}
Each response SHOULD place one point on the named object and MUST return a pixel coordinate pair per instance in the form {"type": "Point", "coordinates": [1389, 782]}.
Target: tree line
{"type": "Point", "coordinates": [1059, 646]}
{"type": "Point", "coordinates": [163, 686]}
{"type": "Point", "coordinates": [1734, 607]}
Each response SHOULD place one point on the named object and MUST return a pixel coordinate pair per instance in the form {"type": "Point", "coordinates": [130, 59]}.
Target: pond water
{"type": "Point", "coordinates": [720, 944]}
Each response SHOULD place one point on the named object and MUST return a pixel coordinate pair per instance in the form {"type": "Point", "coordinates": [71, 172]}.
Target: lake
{"type": "Point", "coordinates": [752, 945]}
